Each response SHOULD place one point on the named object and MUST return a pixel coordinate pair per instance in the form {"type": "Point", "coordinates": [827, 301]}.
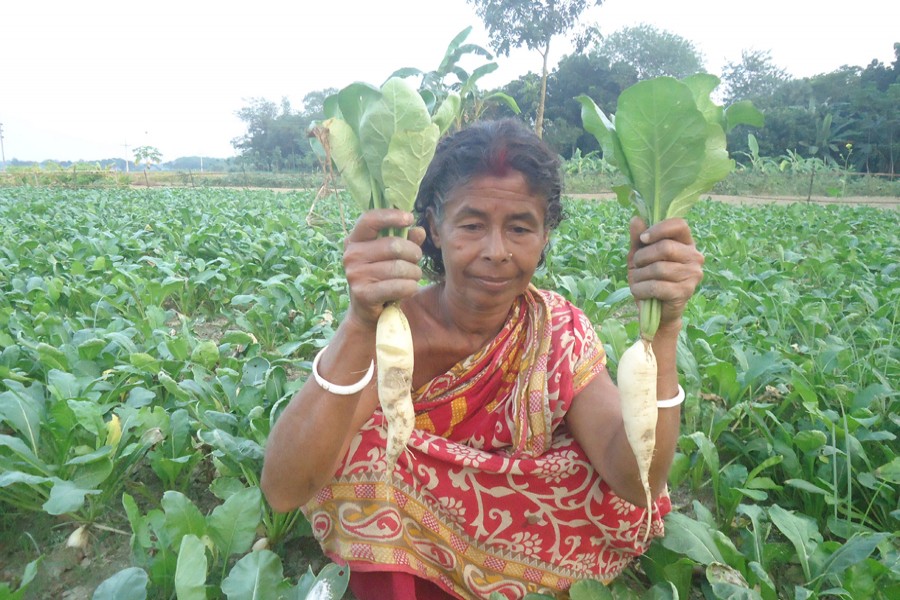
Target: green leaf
{"type": "Point", "coordinates": [66, 497]}
{"type": "Point", "coordinates": [715, 167]}
{"type": "Point", "coordinates": [127, 584]}
{"type": "Point", "coordinates": [763, 581]}
{"type": "Point", "coordinates": [206, 354]}
{"type": "Point", "coordinates": [603, 128]}
{"type": "Point", "coordinates": [139, 523]}
{"type": "Point", "coordinates": [663, 138]}
{"type": "Point", "coordinates": [890, 471]}
{"type": "Point", "coordinates": [409, 154]}
{"type": "Point", "coordinates": [52, 357]}
{"type": "Point", "coordinates": [588, 589]}
{"type": "Point", "coordinates": [802, 533]}
{"type": "Point", "coordinates": [191, 569]}
{"type": "Point", "coordinates": [89, 415]}
{"type": "Point", "coordinates": [182, 517]}
{"type": "Point", "coordinates": [144, 362]}
{"type": "Point", "coordinates": [347, 155]}
{"type": "Point", "coordinates": [254, 371]}
{"type": "Point", "coordinates": [446, 113]}
{"type": "Point", "coordinates": [743, 113]}
{"type": "Point", "coordinates": [232, 524]}
{"type": "Point", "coordinates": [304, 584]}
{"type": "Point", "coordinates": [353, 100]}
{"type": "Point", "coordinates": [852, 552]}
{"type": "Point", "coordinates": [810, 440]}
{"type": "Point", "coordinates": [27, 577]}
{"type": "Point", "coordinates": [239, 449]}
{"type": "Point", "coordinates": [727, 582]}
{"type": "Point", "coordinates": [806, 486]}
{"type": "Point", "coordinates": [331, 580]}
{"type": "Point", "coordinates": [24, 410]}
{"type": "Point", "coordinates": [93, 468]}
{"type": "Point", "coordinates": [400, 108]}
{"type": "Point", "coordinates": [256, 576]}
{"type": "Point", "coordinates": [702, 86]}
{"type": "Point", "coordinates": [692, 539]}
{"type": "Point", "coordinates": [506, 99]}
{"type": "Point", "coordinates": [663, 590]}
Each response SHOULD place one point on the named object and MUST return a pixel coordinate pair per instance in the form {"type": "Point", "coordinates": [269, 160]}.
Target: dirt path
{"type": "Point", "coordinates": [879, 201]}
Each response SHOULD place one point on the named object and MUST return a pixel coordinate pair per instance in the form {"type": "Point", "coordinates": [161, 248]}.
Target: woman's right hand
{"type": "Point", "coordinates": [381, 269]}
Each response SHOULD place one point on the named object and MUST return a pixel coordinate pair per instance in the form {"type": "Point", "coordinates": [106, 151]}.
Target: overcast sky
{"type": "Point", "coordinates": [81, 80]}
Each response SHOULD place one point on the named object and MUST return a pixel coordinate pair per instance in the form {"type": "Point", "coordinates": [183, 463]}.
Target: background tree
{"type": "Point", "coordinates": [451, 77]}
{"type": "Point", "coordinates": [584, 73]}
{"type": "Point", "coordinates": [276, 137]}
{"type": "Point", "coordinates": [755, 77]}
{"type": "Point", "coordinates": [147, 156]}
{"type": "Point", "coordinates": [651, 52]}
{"type": "Point", "coordinates": [533, 24]}
{"type": "Point", "coordinates": [611, 65]}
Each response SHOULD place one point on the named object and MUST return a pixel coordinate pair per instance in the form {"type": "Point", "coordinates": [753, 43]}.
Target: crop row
{"type": "Point", "coordinates": [149, 337]}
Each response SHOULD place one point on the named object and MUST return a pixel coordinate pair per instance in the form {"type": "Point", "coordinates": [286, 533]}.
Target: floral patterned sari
{"type": "Point", "coordinates": [494, 493]}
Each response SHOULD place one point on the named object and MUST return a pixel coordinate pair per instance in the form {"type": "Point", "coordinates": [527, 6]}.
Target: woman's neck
{"type": "Point", "coordinates": [459, 322]}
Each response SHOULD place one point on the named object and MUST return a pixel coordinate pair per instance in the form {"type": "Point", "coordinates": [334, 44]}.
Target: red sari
{"type": "Point", "coordinates": [494, 494]}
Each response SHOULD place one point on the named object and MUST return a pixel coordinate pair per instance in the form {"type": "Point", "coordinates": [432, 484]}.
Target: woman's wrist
{"type": "Point", "coordinates": [672, 329]}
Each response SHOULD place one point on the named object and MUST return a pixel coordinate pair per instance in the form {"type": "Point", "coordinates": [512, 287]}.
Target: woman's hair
{"type": "Point", "coordinates": [492, 148]}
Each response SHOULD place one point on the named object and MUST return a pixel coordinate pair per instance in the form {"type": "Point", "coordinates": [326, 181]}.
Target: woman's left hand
{"type": "Point", "coordinates": [664, 263]}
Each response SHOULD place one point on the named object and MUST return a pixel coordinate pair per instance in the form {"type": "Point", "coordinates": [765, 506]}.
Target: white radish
{"type": "Point", "coordinates": [637, 392]}
{"type": "Point", "coordinates": [394, 357]}
{"type": "Point", "coordinates": [668, 138]}
{"type": "Point", "coordinates": [382, 141]}
{"type": "Point", "coordinates": [78, 538]}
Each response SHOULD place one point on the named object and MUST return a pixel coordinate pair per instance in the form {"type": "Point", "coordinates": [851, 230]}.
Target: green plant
{"type": "Point", "coordinates": [31, 569]}
{"type": "Point", "coordinates": [179, 551]}
{"type": "Point", "coordinates": [789, 353]}
{"type": "Point", "coordinates": [668, 140]}
{"type": "Point", "coordinates": [148, 156]}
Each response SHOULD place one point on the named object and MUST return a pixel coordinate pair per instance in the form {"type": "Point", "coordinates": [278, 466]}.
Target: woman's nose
{"type": "Point", "coordinates": [495, 248]}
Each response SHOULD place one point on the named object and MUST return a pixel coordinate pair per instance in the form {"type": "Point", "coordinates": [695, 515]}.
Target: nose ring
{"type": "Point", "coordinates": [509, 256]}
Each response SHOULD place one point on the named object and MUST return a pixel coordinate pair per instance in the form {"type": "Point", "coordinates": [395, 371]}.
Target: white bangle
{"type": "Point", "coordinates": [341, 390]}
{"type": "Point", "coordinates": [678, 399]}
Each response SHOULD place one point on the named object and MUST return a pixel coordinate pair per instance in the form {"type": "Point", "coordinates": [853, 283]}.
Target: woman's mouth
{"type": "Point", "coordinates": [494, 283]}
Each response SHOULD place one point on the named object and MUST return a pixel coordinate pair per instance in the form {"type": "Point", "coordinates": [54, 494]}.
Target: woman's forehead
{"type": "Point", "coordinates": [489, 192]}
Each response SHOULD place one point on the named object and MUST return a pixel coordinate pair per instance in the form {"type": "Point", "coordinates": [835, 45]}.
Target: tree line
{"type": "Point", "coordinates": [848, 117]}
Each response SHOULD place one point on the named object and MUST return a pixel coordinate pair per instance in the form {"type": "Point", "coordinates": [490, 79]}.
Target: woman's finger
{"type": "Point", "coordinates": [672, 229]}
{"type": "Point", "coordinates": [372, 222]}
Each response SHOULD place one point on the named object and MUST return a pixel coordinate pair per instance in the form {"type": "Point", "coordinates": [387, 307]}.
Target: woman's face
{"type": "Point", "coordinates": [491, 237]}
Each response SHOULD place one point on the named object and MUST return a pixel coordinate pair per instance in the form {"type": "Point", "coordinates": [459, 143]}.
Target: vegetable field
{"type": "Point", "coordinates": [149, 337]}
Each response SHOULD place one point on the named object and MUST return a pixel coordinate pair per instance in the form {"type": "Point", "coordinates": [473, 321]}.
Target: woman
{"type": "Point", "coordinates": [519, 476]}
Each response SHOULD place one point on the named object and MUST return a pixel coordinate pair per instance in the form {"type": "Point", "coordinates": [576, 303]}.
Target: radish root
{"type": "Point", "coordinates": [637, 390]}
{"type": "Point", "coordinates": [394, 356]}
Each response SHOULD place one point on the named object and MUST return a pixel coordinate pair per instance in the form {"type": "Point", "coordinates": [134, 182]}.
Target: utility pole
{"type": "Point", "coordinates": [2, 151]}
{"type": "Point", "coordinates": [126, 155]}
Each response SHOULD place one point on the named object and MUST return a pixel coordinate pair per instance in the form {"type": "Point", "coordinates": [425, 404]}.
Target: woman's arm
{"type": "Point", "coordinates": [663, 263]}
{"type": "Point", "coordinates": [313, 433]}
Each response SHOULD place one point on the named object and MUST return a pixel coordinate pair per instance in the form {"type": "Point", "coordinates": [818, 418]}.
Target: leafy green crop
{"type": "Point", "coordinates": [668, 139]}
{"type": "Point", "coordinates": [111, 302]}
{"type": "Point", "coordinates": [382, 141]}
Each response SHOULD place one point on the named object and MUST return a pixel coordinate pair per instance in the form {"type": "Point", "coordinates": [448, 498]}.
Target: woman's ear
{"type": "Point", "coordinates": [433, 230]}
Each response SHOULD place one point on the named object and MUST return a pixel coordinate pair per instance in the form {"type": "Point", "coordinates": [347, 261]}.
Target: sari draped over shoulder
{"type": "Point", "coordinates": [494, 494]}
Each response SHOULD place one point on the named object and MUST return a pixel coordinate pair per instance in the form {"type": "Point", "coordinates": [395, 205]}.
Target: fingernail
{"type": "Point", "coordinates": [645, 237]}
